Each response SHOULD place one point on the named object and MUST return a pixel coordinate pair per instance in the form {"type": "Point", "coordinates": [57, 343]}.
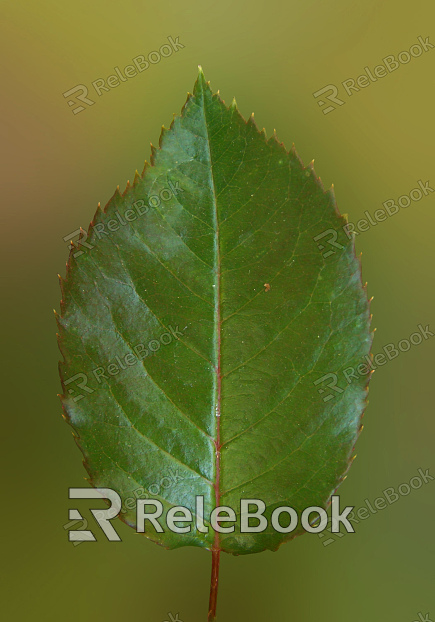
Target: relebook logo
{"type": "Point", "coordinates": [330, 93]}
{"type": "Point", "coordinates": [78, 95]}
{"type": "Point", "coordinates": [180, 519]}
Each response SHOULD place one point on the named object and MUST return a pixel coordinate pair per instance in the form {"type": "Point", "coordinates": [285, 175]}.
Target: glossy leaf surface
{"type": "Point", "coordinates": [239, 310]}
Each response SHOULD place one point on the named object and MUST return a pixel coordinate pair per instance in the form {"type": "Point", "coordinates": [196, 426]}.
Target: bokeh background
{"type": "Point", "coordinates": [57, 165]}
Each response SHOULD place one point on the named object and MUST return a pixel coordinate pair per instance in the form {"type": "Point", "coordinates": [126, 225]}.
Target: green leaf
{"type": "Point", "coordinates": [207, 267]}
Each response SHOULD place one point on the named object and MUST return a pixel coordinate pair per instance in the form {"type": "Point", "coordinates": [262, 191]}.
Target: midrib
{"type": "Point", "coordinates": [216, 411]}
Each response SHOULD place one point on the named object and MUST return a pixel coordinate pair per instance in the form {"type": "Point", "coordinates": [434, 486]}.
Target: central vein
{"type": "Point", "coordinates": [217, 385]}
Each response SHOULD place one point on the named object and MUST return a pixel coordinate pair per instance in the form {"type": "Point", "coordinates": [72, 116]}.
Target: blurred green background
{"type": "Point", "coordinates": [57, 165]}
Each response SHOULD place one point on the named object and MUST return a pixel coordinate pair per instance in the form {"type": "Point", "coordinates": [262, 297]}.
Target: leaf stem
{"type": "Point", "coordinates": [214, 584]}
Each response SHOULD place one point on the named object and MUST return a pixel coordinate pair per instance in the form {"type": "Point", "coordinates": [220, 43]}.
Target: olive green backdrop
{"type": "Point", "coordinates": [57, 165]}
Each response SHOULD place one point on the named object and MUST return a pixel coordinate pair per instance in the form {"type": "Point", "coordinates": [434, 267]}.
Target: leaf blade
{"type": "Point", "coordinates": [232, 400]}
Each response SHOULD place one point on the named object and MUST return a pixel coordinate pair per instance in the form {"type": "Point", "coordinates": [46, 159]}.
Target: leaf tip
{"type": "Point", "coordinates": [200, 83]}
